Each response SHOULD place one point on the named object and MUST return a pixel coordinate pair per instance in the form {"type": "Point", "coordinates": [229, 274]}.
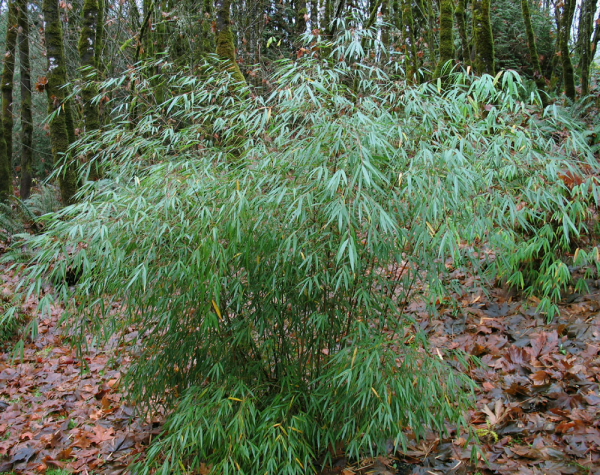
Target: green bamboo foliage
{"type": "Point", "coordinates": [483, 38]}
{"type": "Point", "coordinates": [8, 76]}
{"type": "Point", "coordinates": [446, 35]}
{"type": "Point", "coordinates": [271, 290]}
{"type": "Point", "coordinates": [26, 104]}
{"type": "Point", "coordinates": [62, 130]}
{"type": "Point", "coordinates": [225, 40]}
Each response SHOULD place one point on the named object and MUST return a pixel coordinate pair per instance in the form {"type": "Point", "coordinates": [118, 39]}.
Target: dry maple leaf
{"type": "Point", "coordinates": [102, 434]}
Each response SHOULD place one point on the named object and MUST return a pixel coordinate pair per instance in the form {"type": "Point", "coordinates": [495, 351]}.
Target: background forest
{"type": "Point", "coordinates": [278, 199]}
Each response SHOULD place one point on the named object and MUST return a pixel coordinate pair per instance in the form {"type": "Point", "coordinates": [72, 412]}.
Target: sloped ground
{"type": "Point", "coordinates": [538, 401]}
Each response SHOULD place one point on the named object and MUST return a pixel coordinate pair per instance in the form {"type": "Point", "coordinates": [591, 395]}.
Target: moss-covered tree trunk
{"type": "Point", "coordinates": [314, 14]}
{"type": "Point", "coordinates": [301, 16]}
{"type": "Point", "coordinates": [586, 27]}
{"type": "Point", "coordinates": [566, 21]}
{"type": "Point", "coordinates": [446, 35]}
{"type": "Point", "coordinates": [8, 76]}
{"type": "Point", "coordinates": [410, 41]}
{"type": "Point", "coordinates": [26, 114]}
{"type": "Point", "coordinates": [5, 169]}
{"type": "Point", "coordinates": [62, 131]}
{"type": "Point", "coordinates": [225, 40]}
{"type": "Point", "coordinates": [87, 54]}
{"type": "Point", "coordinates": [484, 39]}
{"type": "Point", "coordinates": [535, 59]}
{"type": "Point", "coordinates": [460, 13]}
{"type": "Point", "coordinates": [207, 36]}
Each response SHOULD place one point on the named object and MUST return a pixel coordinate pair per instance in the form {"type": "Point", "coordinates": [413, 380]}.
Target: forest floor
{"type": "Point", "coordinates": [537, 409]}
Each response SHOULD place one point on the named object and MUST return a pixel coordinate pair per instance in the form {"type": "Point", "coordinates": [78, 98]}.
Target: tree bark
{"type": "Point", "coordinates": [225, 40]}
{"type": "Point", "coordinates": [446, 35]}
{"type": "Point", "coordinates": [535, 59]}
{"type": "Point", "coordinates": [8, 77]}
{"type": "Point", "coordinates": [87, 54]}
{"type": "Point", "coordinates": [5, 170]}
{"type": "Point", "coordinates": [586, 27]}
{"type": "Point", "coordinates": [301, 15]}
{"type": "Point", "coordinates": [461, 22]}
{"type": "Point", "coordinates": [26, 114]}
{"type": "Point", "coordinates": [410, 41]}
{"type": "Point", "coordinates": [566, 20]}
{"type": "Point", "coordinates": [62, 131]}
{"type": "Point", "coordinates": [484, 40]}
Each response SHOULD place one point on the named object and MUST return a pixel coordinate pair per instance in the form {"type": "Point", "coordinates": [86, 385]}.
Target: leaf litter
{"type": "Point", "coordinates": [63, 409]}
{"type": "Point", "coordinates": [537, 403]}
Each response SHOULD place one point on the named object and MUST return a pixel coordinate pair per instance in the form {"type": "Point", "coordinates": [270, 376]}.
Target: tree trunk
{"type": "Point", "coordinates": [314, 14]}
{"type": "Point", "coordinates": [225, 42]}
{"type": "Point", "coordinates": [446, 35]}
{"type": "Point", "coordinates": [410, 41]}
{"type": "Point", "coordinates": [301, 16]}
{"type": "Point", "coordinates": [62, 132]}
{"type": "Point", "coordinates": [461, 22]}
{"type": "Point", "coordinates": [8, 77]}
{"type": "Point", "coordinates": [484, 40]}
{"type": "Point", "coordinates": [535, 59]}
{"type": "Point", "coordinates": [5, 170]}
{"type": "Point", "coordinates": [26, 114]}
{"type": "Point", "coordinates": [87, 54]}
{"type": "Point", "coordinates": [586, 26]}
{"type": "Point", "coordinates": [566, 20]}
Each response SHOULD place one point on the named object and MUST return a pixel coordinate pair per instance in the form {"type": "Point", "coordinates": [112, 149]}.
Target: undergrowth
{"type": "Point", "coordinates": [267, 247]}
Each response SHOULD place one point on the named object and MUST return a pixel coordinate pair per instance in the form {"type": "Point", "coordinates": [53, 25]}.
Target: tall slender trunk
{"type": "Point", "coordinates": [225, 40]}
{"type": "Point", "coordinates": [62, 131]}
{"type": "Point", "coordinates": [385, 30]}
{"type": "Point", "coordinates": [314, 14]}
{"type": "Point", "coordinates": [8, 76]}
{"type": "Point", "coordinates": [208, 38]}
{"type": "Point", "coordinates": [301, 16]}
{"type": "Point", "coordinates": [410, 41]}
{"type": "Point", "coordinates": [566, 20]}
{"type": "Point", "coordinates": [5, 170]}
{"type": "Point", "coordinates": [446, 34]}
{"type": "Point", "coordinates": [535, 59]}
{"type": "Point", "coordinates": [87, 54]}
{"type": "Point", "coordinates": [586, 26]}
{"type": "Point", "coordinates": [26, 114]}
{"type": "Point", "coordinates": [461, 22]}
{"type": "Point", "coordinates": [484, 40]}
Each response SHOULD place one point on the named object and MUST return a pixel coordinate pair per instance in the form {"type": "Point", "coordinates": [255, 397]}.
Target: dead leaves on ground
{"type": "Point", "coordinates": [59, 411]}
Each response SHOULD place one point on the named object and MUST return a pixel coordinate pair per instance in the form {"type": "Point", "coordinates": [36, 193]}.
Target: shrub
{"type": "Point", "coordinates": [267, 247]}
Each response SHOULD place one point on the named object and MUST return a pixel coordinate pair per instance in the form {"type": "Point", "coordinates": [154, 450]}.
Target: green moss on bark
{"type": "Point", "coordinates": [26, 104]}
{"type": "Point", "coordinates": [566, 20]}
{"type": "Point", "coordinates": [5, 169]}
{"type": "Point", "coordinates": [446, 35]}
{"type": "Point", "coordinates": [461, 23]}
{"type": "Point", "coordinates": [62, 130]}
{"type": "Point", "coordinates": [225, 39]}
{"type": "Point", "coordinates": [8, 77]}
{"type": "Point", "coordinates": [484, 40]}
{"type": "Point", "coordinates": [535, 60]}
